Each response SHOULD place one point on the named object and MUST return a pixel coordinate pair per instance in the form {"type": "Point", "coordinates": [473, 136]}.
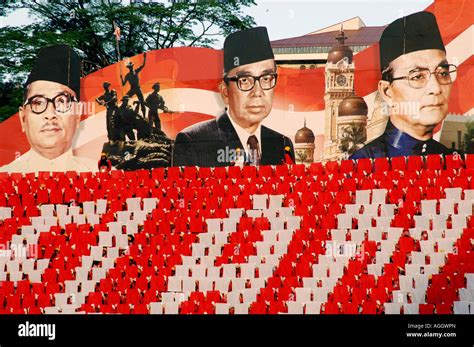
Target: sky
{"type": "Point", "coordinates": [285, 19]}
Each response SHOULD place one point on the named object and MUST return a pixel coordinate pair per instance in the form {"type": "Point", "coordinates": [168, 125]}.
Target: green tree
{"type": "Point", "coordinates": [352, 138]}
{"type": "Point", "coordinates": [11, 96]}
{"type": "Point", "coordinates": [88, 26]}
{"type": "Point", "coordinates": [468, 140]}
{"type": "Point", "coordinates": [302, 156]}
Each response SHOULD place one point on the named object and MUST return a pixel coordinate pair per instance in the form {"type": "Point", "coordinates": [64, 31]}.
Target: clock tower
{"type": "Point", "coordinates": [339, 76]}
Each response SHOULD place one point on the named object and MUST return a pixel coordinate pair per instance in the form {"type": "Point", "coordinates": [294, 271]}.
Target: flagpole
{"type": "Point", "coordinates": [117, 38]}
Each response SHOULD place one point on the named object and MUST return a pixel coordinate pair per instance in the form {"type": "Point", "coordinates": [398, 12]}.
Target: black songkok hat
{"type": "Point", "coordinates": [60, 64]}
{"type": "Point", "coordinates": [412, 33]}
{"type": "Point", "coordinates": [246, 47]}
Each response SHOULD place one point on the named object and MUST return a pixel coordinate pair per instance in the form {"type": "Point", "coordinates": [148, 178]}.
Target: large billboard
{"type": "Point", "coordinates": [137, 112]}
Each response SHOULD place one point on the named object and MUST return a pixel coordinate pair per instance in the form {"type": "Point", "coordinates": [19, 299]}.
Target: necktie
{"type": "Point", "coordinates": [252, 143]}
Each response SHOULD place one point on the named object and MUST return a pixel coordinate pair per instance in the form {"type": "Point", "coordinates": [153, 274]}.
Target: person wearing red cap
{"type": "Point", "coordinates": [49, 115]}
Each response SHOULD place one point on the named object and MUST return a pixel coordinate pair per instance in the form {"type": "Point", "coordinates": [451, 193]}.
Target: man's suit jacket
{"type": "Point", "coordinates": [203, 144]}
{"type": "Point", "coordinates": [395, 143]}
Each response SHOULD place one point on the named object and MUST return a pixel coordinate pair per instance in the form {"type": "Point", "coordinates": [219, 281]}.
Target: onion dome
{"type": "Point", "coordinates": [340, 51]}
{"type": "Point", "coordinates": [305, 135]}
{"type": "Point", "coordinates": [353, 106]}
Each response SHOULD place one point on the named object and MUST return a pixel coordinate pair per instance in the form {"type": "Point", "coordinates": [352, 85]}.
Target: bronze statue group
{"type": "Point", "coordinates": [122, 120]}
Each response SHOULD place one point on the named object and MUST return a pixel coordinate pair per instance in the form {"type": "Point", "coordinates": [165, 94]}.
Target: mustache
{"type": "Point", "coordinates": [435, 101]}
{"type": "Point", "coordinates": [50, 126]}
{"type": "Point", "coordinates": [433, 104]}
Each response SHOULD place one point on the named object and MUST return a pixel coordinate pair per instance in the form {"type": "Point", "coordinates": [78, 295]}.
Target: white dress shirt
{"type": "Point", "coordinates": [32, 161]}
{"type": "Point", "coordinates": [244, 135]}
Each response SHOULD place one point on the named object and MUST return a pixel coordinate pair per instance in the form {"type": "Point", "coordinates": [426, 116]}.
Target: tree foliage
{"type": "Point", "coordinates": [352, 138]}
{"type": "Point", "coordinates": [88, 26]}
{"type": "Point", "coordinates": [468, 140]}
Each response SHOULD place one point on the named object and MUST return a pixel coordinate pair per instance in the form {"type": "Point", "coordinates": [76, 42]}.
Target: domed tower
{"type": "Point", "coordinates": [351, 125]}
{"type": "Point", "coordinates": [304, 145]}
{"type": "Point", "coordinates": [339, 75]}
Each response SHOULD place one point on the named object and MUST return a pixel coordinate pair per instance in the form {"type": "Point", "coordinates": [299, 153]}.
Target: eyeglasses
{"type": "Point", "coordinates": [247, 82]}
{"type": "Point", "coordinates": [445, 74]}
{"type": "Point", "coordinates": [62, 103]}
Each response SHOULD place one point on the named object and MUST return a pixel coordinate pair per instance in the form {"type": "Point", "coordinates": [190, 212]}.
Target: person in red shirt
{"type": "Point", "coordinates": [289, 156]}
{"type": "Point", "coordinates": [104, 164]}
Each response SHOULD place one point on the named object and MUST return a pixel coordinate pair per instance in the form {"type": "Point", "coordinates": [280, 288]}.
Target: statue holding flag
{"type": "Point", "coordinates": [132, 78]}
{"type": "Point", "coordinates": [136, 144]}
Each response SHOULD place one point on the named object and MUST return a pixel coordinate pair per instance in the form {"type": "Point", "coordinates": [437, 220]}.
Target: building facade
{"type": "Point", "coordinates": [345, 112]}
{"type": "Point", "coordinates": [311, 50]}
